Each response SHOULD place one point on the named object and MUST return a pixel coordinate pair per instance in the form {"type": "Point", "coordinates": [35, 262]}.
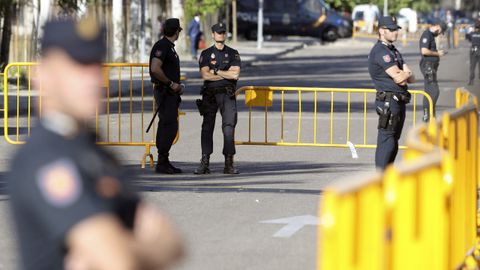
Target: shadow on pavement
{"type": "Point", "coordinates": [263, 177]}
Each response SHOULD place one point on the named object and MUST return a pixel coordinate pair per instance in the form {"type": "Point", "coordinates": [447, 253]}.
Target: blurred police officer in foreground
{"type": "Point", "coordinates": [390, 76]}
{"type": "Point", "coordinates": [429, 64]}
{"type": "Point", "coordinates": [220, 69]}
{"type": "Point", "coordinates": [71, 206]}
{"type": "Point", "coordinates": [165, 76]}
{"type": "Point", "coordinates": [474, 38]}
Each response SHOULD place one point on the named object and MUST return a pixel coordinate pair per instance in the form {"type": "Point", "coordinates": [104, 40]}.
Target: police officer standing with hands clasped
{"type": "Point", "coordinates": [165, 76]}
{"type": "Point", "coordinates": [220, 69]}
{"type": "Point", "coordinates": [390, 76]}
{"type": "Point", "coordinates": [429, 64]}
{"type": "Point", "coordinates": [474, 38]}
{"type": "Point", "coordinates": [72, 206]}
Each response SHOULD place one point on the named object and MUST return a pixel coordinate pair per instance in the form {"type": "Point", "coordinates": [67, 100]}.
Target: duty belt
{"type": "Point", "coordinates": [387, 96]}
{"type": "Point", "coordinates": [217, 90]}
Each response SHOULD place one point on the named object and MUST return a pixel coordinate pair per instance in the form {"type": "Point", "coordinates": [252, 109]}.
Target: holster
{"type": "Point", "coordinates": [430, 72]}
{"type": "Point", "coordinates": [201, 108]}
{"type": "Point", "coordinates": [475, 51]}
{"type": "Point", "coordinates": [384, 115]}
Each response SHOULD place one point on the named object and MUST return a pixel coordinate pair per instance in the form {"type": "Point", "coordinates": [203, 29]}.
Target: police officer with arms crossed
{"type": "Point", "coordinates": [71, 205]}
{"type": "Point", "coordinates": [474, 38]}
{"type": "Point", "coordinates": [220, 69]}
{"type": "Point", "coordinates": [165, 76]}
{"type": "Point", "coordinates": [429, 64]}
{"type": "Point", "coordinates": [390, 76]}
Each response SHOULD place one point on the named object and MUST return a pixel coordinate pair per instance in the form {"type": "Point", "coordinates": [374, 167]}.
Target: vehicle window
{"type": "Point", "coordinates": [249, 4]}
{"type": "Point", "coordinates": [313, 5]}
{"type": "Point", "coordinates": [358, 16]}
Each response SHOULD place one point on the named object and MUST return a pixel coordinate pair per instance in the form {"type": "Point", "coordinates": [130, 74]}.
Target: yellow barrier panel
{"type": "Point", "coordinates": [128, 107]}
{"type": "Point", "coordinates": [429, 202]}
{"type": "Point", "coordinates": [352, 218]}
{"type": "Point", "coordinates": [263, 97]}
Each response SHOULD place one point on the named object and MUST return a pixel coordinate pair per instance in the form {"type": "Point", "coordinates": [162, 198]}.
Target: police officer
{"type": "Point", "coordinates": [220, 69]}
{"type": "Point", "coordinates": [429, 64]}
{"type": "Point", "coordinates": [390, 76]}
{"type": "Point", "coordinates": [71, 205]}
{"type": "Point", "coordinates": [165, 76]}
{"type": "Point", "coordinates": [474, 38]}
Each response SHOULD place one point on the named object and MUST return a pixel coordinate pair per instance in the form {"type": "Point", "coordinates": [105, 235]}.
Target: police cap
{"type": "Point", "coordinates": [219, 28]}
{"type": "Point", "coordinates": [388, 22]}
{"type": "Point", "coordinates": [173, 24]}
{"type": "Point", "coordinates": [83, 40]}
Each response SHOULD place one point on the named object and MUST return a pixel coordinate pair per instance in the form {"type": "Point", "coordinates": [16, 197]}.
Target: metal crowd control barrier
{"type": "Point", "coordinates": [128, 106]}
{"type": "Point", "coordinates": [260, 100]}
{"type": "Point", "coordinates": [420, 213]}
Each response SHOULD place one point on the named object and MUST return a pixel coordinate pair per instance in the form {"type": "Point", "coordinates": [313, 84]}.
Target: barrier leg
{"type": "Point", "coordinates": [147, 154]}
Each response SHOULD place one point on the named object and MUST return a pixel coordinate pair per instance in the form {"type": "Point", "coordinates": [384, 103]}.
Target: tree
{"type": "Point", "coordinates": [7, 11]}
{"type": "Point", "coordinates": [205, 7]}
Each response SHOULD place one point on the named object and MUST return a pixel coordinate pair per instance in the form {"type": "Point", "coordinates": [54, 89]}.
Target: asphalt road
{"type": "Point", "coordinates": [232, 222]}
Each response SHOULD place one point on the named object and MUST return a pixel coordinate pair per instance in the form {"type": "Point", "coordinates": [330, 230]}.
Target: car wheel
{"type": "Point", "coordinates": [330, 34]}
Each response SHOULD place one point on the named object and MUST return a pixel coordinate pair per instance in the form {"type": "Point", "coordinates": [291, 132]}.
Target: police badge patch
{"type": "Point", "coordinates": [158, 53]}
{"type": "Point", "coordinates": [212, 56]}
{"type": "Point", "coordinates": [387, 58]}
{"type": "Point", "coordinates": [424, 40]}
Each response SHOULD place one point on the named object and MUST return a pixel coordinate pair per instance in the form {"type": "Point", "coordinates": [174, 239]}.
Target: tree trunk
{"type": "Point", "coordinates": [6, 36]}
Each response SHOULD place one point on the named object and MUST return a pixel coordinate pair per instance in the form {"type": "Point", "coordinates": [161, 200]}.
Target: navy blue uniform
{"type": "Point", "coordinates": [165, 98]}
{"type": "Point", "coordinates": [56, 181]}
{"type": "Point", "coordinates": [474, 38]}
{"type": "Point", "coordinates": [429, 68]}
{"type": "Point", "coordinates": [390, 101]}
{"type": "Point", "coordinates": [219, 95]}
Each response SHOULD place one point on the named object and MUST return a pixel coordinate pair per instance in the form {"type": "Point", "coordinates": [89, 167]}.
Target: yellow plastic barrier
{"type": "Point", "coordinates": [128, 108]}
{"type": "Point", "coordinates": [352, 218]}
{"type": "Point", "coordinates": [263, 97]}
{"type": "Point", "coordinates": [427, 208]}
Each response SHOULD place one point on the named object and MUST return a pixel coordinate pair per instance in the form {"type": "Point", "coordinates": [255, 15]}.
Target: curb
{"type": "Point", "coordinates": [281, 53]}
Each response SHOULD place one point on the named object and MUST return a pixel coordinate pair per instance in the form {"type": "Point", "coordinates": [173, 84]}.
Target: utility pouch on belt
{"type": "Point", "coordinates": [230, 91]}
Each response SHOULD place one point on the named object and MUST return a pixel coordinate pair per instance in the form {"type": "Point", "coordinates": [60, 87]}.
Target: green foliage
{"type": "Point", "coordinates": [203, 7]}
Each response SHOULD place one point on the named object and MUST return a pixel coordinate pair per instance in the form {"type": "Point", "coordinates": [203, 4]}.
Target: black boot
{"type": "Point", "coordinates": [175, 169]}
{"type": "Point", "coordinates": [204, 164]}
{"type": "Point", "coordinates": [229, 169]}
{"type": "Point", "coordinates": [163, 165]}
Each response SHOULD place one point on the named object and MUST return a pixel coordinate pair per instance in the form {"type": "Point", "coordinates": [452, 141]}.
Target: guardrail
{"type": "Point", "coordinates": [128, 106]}
{"type": "Point", "coordinates": [316, 102]}
{"type": "Point", "coordinates": [419, 213]}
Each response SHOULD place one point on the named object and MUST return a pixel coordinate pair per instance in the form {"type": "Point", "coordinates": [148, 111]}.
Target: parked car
{"type": "Point", "coordinates": [293, 17]}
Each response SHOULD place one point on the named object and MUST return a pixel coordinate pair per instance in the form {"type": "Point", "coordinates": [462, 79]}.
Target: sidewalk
{"type": "Point", "coordinates": [250, 54]}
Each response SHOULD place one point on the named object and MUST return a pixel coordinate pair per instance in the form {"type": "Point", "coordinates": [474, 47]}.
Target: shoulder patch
{"type": "Point", "coordinates": [59, 183]}
{"type": "Point", "coordinates": [387, 58]}
{"type": "Point", "coordinates": [158, 53]}
{"type": "Point", "coordinates": [425, 40]}
{"type": "Point", "coordinates": [237, 56]}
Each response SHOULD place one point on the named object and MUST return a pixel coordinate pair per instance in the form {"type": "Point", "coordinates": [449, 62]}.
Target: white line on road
{"type": "Point", "coordinates": [293, 224]}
